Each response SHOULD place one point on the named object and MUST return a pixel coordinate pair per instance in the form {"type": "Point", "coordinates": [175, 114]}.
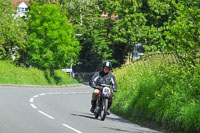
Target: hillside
{"type": "Point", "coordinates": [158, 92]}
{"type": "Point", "coordinates": [11, 74]}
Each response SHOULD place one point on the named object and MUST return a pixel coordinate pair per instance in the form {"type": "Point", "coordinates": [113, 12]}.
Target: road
{"type": "Point", "coordinates": [33, 109]}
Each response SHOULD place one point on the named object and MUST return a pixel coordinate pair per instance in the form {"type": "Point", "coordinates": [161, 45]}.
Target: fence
{"type": "Point", "coordinates": [170, 58]}
{"type": "Point", "coordinates": [84, 76]}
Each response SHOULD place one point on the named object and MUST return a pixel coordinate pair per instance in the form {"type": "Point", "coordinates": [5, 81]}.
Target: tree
{"type": "Point", "coordinates": [52, 43]}
{"type": "Point", "coordinates": [13, 32]}
{"type": "Point", "coordinates": [182, 34]}
{"type": "Point", "coordinates": [87, 22]}
{"type": "Point", "coordinates": [138, 22]}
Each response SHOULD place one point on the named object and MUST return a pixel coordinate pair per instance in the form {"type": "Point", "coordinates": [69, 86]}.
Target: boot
{"type": "Point", "coordinates": [93, 102]}
{"type": "Point", "coordinates": [109, 105]}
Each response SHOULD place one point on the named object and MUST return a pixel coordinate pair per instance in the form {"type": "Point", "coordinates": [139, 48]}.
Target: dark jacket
{"type": "Point", "coordinates": [103, 78]}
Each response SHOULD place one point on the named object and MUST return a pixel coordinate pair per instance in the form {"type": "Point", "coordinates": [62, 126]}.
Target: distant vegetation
{"type": "Point", "coordinates": [63, 33]}
{"type": "Point", "coordinates": [156, 91]}
{"type": "Point", "coordinates": [60, 33]}
{"type": "Point", "coordinates": [10, 74]}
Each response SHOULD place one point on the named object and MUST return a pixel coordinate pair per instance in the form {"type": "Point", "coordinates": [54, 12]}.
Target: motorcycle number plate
{"type": "Point", "coordinates": [106, 90]}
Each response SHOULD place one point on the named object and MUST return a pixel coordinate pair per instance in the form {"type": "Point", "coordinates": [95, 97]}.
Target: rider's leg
{"type": "Point", "coordinates": [93, 103]}
{"type": "Point", "coordinates": [110, 101]}
{"type": "Point", "coordinates": [94, 99]}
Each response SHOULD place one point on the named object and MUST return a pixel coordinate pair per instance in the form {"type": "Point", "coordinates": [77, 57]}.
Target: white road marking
{"type": "Point", "coordinates": [42, 94]}
{"type": "Point", "coordinates": [35, 96]}
{"type": "Point", "coordinates": [57, 93]}
{"type": "Point", "coordinates": [33, 106]}
{"type": "Point", "coordinates": [65, 125]}
{"type": "Point", "coordinates": [31, 100]}
{"type": "Point", "coordinates": [46, 114]}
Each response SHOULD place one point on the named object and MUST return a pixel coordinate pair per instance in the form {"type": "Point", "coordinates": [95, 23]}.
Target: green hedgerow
{"type": "Point", "coordinates": [168, 94]}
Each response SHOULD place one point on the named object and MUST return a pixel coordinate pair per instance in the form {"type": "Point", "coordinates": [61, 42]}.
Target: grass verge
{"type": "Point", "coordinates": [11, 74]}
{"type": "Point", "coordinates": [157, 92]}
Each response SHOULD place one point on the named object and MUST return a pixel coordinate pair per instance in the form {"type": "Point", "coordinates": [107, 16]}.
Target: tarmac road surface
{"type": "Point", "coordinates": [36, 109]}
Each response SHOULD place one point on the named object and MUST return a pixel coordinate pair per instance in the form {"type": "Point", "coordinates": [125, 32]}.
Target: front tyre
{"type": "Point", "coordinates": [104, 108]}
{"type": "Point", "coordinates": [97, 111]}
{"type": "Point", "coordinates": [96, 115]}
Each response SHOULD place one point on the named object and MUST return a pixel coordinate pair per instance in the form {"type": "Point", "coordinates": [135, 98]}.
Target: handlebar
{"type": "Point", "coordinates": [104, 85]}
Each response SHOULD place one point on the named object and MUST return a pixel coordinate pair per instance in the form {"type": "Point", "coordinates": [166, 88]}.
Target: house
{"type": "Point", "coordinates": [104, 15]}
{"type": "Point", "coordinates": [21, 6]}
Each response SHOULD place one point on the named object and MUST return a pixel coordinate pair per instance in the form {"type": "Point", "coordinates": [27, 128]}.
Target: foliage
{"type": "Point", "coordinates": [154, 23]}
{"type": "Point", "coordinates": [155, 91]}
{"type": "Point", "coordinates": [183, 33]}
{"type": "Point", "coordinates": [165, 25]}
{"type": "Point", "coordinates": [52, 43]}
{"type": "Point", "coordinates": [137, 22]}
{"type": "Point", "coordinates": [31, 76]}
{"type": "Point", "coordinates": [86, 20]}
{"type": "Point", "coordinates": [13, 32]}
{"type": "Point", "coordinates": [96, 45]}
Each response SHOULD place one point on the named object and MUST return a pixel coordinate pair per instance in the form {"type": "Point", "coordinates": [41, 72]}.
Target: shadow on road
{"type": "Point", "coordinates": [87, 115]}
{"type": "Point", "coordinates": [119, 120]}
{"type": "Point", "coordinates": [126, 131]}
{"type": "Point", "coordinates": [136, 129]}
{"type": "Point", "coordinates": [119, 130]}
{"type": "Point", "coordinates": [91, 116]}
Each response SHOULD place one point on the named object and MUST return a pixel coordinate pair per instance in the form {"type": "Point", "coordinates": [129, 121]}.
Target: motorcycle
{"type": "Point", "coordinates": [102, 102]}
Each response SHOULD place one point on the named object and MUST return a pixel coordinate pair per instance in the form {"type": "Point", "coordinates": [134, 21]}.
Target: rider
{"type": "Point", "coordinates": [102, 77]}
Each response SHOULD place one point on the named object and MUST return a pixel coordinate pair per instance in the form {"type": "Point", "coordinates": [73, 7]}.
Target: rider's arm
{"type": "Point", "coordinates": [93, 81]}
{"type": "Point", "coordinates": [113, 80]}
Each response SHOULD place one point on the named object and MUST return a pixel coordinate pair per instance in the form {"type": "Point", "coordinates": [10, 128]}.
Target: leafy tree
{"type": "Point", "coordinates": [41, 2]}
{"type": "Point", "coordinates": [150, 22]}
{"type": "Point", "coordinates": [138, 22]}
{"type": "Point", "coordinates": [96, 45]}
{"type": "Point", "coordinates": [85, 17]}
{"type": "Point", "coordinates": [13, 32]}
{"type": "Point", "coordinates": [183, 33]}
{"type": "Point", "coordinates": [52, 43]}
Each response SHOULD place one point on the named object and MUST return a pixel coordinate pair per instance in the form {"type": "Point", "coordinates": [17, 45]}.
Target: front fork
{"type": "Point", "coordinates": [99, 103]}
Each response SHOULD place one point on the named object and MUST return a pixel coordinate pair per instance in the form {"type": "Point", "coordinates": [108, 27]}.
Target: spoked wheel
{"type": "Point", "coordinates": [104, 109]}
{"type": "Point", "coordinates": [96, 115]}
{"type": "Point", "coordinates": [97, 110]}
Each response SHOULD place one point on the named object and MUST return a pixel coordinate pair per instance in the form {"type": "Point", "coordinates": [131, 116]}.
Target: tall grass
{"type": "Point", "coordinates": [156, 91]}
{"type": "Point", "coordinates": [11, 74]}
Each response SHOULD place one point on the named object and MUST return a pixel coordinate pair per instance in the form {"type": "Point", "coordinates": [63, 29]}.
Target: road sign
{"type": "Point", "coordinates": [67, 70]}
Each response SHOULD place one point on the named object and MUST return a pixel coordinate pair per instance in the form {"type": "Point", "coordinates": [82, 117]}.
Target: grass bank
{"type": "Point", "coordinates": [11, 74]}
{"type": "Point", "coordinates": [168, 95]}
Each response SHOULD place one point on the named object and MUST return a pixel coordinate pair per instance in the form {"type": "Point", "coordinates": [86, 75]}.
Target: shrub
{"type": "Point", "coordinates": [159, 92]}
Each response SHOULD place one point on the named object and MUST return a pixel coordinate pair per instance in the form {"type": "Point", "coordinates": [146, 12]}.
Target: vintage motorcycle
{"type": "Point", "coordinates": [102, 102]}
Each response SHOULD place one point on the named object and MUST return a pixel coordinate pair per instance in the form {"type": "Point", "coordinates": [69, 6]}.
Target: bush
{"type": "Point", "coordinates": [159, 92]}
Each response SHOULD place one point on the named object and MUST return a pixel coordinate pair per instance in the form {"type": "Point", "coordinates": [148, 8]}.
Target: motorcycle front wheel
{"type": "Point", "coordinates": [96, 115]}
{"type": "Point", "coordinates": [97, 111]}
{"type": "Point", "coordinates": [104, 109]}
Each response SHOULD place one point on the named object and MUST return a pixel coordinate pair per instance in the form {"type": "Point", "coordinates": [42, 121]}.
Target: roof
{"type": "Point", "coordinates": [17, 2]}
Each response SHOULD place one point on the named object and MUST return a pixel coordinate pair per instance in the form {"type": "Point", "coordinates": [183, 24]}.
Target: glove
{"type": "Point", "coordinates": [99, 87]}
{"type": "Point", "coordinates": [114, 90]}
